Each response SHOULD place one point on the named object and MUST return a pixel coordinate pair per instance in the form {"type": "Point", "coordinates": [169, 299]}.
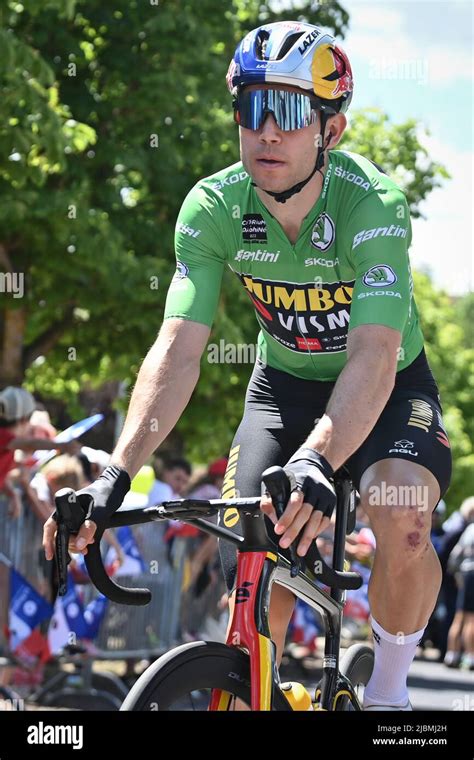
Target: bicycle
{"type": "Point", "coordinates": [212, 675]}
{"type": "Point", "coordinates": [81, 688]}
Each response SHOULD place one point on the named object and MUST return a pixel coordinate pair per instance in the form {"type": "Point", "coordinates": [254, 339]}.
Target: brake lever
{"type": "Point", "coordinates": [69, 516]}
{"type": "Point", "coordinates": [278, 486]}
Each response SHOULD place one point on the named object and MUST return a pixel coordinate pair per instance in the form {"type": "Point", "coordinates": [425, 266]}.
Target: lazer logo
{"type": "Point", "coordinates": [351, 177]}
{"type": "Point", "coordinates": [393, 231]}
{"type": "Point", "coordinates": [243, 594]}
{"type": "Point", "coordinates": [307, 41]}
{"type": "Point", "coordinates": [231, 180]}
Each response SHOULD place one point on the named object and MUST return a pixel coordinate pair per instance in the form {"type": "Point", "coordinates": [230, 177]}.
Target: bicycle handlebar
{"type": "Point", "coordinates": [69, 519]}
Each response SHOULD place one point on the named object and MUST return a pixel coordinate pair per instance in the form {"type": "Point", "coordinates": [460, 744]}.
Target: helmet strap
{"type": "Point", "coordinates": [287, 194]}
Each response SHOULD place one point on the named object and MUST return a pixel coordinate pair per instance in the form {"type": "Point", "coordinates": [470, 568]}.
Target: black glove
{"type": "Point", "coordinates": [104, 496]}
{"type": "Point", "coordinates": [310, 472]}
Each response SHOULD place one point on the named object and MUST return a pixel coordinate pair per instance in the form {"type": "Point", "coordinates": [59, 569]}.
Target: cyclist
{"type": "Point", "coordinates": [318, 238]}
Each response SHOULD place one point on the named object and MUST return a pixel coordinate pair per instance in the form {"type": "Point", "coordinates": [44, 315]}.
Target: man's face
{"type": "Point", "coordinates": [276, 159]}
{"type": "Point", "coordinates": [177, 478]}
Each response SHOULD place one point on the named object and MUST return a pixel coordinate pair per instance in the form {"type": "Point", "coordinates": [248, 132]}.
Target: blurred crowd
{"type": "Point", "coordinates": [30, 476]}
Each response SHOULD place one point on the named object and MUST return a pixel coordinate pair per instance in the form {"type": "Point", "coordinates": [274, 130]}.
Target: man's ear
{"type": "Point", "coordinates": [336, 126]}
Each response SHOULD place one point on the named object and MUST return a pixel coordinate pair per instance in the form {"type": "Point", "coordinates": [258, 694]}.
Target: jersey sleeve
{"type": "Point", "coordinates": [200, 257]}
{"type": "Point", "coordinates": [379, 236]}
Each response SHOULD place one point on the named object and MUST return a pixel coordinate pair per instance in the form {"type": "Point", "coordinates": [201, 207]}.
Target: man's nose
{"type": "Point", "coordinates": [269, 130]}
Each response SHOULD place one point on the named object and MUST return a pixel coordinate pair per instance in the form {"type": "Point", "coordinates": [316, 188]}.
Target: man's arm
{"type": "Point", "coordinates": [360, 394]}
{"type": "Point", "coordinates": [166, 380]}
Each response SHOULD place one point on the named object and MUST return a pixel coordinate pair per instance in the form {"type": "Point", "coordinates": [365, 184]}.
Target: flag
{"type": "Point", "coordinates": [71, 433]}
{"type": "Point", "coordinates": [68, 623]}
{"type": "Point", "coordinates": [93, 615]}
{"type": "Point", "coordinates": [303, 626]}
{"type": "Point", "coordinates": [27, 609]}
{"type": "Point", "coordinates": [357, 600]}
{"type": "Point", "coordinates": [133, 563]}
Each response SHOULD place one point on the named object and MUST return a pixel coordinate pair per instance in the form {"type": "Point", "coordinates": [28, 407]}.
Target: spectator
{"type": "Point", "coordinates": [173, 481]}
{"type": "Point", "coordinates": [64, 471]}
{"type": "Point", "coordinates": [16, 408]}
{"type": "Point", "coordinates": [209, 485]}
{"type": "Point", "coordinates": [433, 633]}
{"type": "Point", "coordinates": [461, 563]}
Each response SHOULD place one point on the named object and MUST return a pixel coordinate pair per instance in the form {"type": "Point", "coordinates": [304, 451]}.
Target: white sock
{"type": "Point", "coordinates": [393, 657]}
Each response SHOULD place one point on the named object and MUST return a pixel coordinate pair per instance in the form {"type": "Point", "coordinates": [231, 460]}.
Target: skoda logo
{"type": "Point", "coordinates": [379, 276]}
{"type": "Point", "coordinates": [323, 233]}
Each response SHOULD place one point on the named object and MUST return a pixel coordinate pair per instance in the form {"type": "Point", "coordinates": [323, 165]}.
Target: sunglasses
{"type": "Point", "coordinates": [291, 110]}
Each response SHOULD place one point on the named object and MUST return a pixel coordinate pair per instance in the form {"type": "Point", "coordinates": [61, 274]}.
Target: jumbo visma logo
{"type": "Point", "coordinates": [300, 316]}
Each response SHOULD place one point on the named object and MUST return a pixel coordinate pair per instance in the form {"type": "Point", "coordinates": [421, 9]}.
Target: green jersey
{"type": "Point", "coordinates": [348, 267]}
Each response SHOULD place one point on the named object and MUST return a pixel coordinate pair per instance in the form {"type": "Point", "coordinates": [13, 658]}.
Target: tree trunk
{"type": "Point", "coordinates": [11, 349]}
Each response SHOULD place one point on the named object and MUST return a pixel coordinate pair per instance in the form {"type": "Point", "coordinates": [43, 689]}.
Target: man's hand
{"type": "Point", "coordinates": [311, 502]}
{"type": "Point", "coordinates": [99, 500]}
{"type": "Point", "coordinates": [77, 544]}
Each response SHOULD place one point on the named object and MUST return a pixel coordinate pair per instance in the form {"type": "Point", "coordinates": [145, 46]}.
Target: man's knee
{"type": "Point", "coordinates": [399, 505]}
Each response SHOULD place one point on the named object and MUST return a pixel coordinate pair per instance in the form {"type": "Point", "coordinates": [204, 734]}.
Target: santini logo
{"type": "Point", "coordinates": [44, 734]}
{"type": "Point", "coordinates": [393, 231]}
{"type": "Point", "coordinates": [257, 255]}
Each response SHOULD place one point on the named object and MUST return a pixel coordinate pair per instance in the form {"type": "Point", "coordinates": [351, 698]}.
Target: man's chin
{"type": "Point", "coordinates": [272, 183]}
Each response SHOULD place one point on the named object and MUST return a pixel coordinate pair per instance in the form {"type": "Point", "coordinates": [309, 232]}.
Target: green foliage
{"type": "Point", "coordinates": [448, 334]}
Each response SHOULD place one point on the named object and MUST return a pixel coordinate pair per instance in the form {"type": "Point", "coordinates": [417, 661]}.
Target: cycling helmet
{"type": "Point", "coordinates": [301, 55]}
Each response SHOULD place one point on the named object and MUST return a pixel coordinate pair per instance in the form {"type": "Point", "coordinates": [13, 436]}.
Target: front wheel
{"type": "Point", "coordinates": [184, 678]}
{"type": "Point", "coordinates": [357, 666]}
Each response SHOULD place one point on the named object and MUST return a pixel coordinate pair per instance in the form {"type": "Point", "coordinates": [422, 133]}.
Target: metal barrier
{"type": "Point", "coordinates": [126, 632]}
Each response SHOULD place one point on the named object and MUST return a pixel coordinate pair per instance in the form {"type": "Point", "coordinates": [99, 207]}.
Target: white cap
{"type": "Point", "coordinates": [16, 404]}
{"type": "Point", "coordinates": [96, 456]}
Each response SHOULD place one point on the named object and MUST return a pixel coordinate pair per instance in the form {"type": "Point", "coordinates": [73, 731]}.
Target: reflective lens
{"type": "Point", "coordinates": [292, 110]}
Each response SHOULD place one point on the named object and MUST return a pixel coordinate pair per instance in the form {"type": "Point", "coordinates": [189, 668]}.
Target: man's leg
{"type": "Point", "coordinates": [399, 497]}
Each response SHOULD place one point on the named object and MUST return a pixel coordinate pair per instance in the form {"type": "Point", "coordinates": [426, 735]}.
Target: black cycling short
{"type": "Point", "coordinates": [465, 598]}
{"type": "Point", "coordinates": [281, 410]}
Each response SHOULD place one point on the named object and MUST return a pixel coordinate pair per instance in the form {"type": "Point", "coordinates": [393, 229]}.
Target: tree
{"type": "Point", "coordinates": [450, 353]}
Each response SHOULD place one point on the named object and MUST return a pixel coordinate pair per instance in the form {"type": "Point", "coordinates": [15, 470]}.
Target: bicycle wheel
{"type": "Point", "coordinates": [90, 700]}
{"type": "Point", "coordinates": [356, 665]}
{"type": "Point", "coordinates": [183, 679]}
{"type": "Point", "coordinates": [10, 701]}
